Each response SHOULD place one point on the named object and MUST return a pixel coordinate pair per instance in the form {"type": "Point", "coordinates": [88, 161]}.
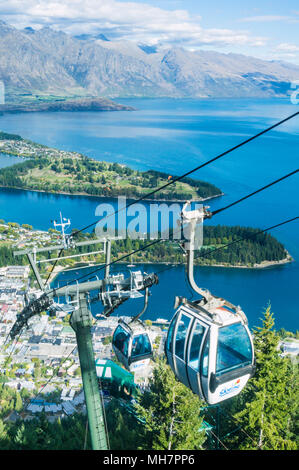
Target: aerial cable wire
{"type": "Point", "coordinates": [179, 178]}
{"type": "Point", "coordinates": [162, 239]}
{"type": "Point", "coordinates": [233, 418]}
{"type": "Point", "coordinates": [213, 213]}
{"type": "Point", "coordinates": [13, 347]}
{"type": "Point", "coordinates": [254, 192]}
{"type": "Point", "coordinates": [217, 438]}
{"type": "Point", "coordinates": [240, 428]}
{"type": "Point", "coordinates": [174, 180]}
{"type": "Point", "coordinates": [156, 241]}
{"type": "Point", "coordinates": [54, 265]}
{"type": "Point", "coordinates": [89, 275]}
{"type": "Point", "coordinates": [202, 255]}
{"type": "Point", "coordinates": [50, 379]}
{"type": "Point", "coordinates": [239, 240]}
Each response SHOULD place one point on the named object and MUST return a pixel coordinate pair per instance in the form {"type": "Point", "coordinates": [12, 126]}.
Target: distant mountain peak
{"type": "Point", "coordinates": [29, 30]}
{"type": "Point", "coordinates": [47, 61]}
{"type": "Point", "coordinates": [91, 37]}
{"type": "Point", "coordinates": [102, 37]}
{"type": "Point", "coordinates": [6, 27]}
{"type": "Point", "coordinates": [148, 49]}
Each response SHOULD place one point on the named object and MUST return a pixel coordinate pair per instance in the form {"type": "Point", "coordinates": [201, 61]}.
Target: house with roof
{"type": "Point", "coordinates": [68, 408]}
{"type": "Point", "coordinates": [290, 346]}
{"type": "Point", "coordinates": [13, 417]}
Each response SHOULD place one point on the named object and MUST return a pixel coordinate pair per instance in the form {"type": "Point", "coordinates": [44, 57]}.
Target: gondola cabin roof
{"type": "Point", "coordinates": [216, 310]}
{"type": "Point", "coordinates": [133, 328]}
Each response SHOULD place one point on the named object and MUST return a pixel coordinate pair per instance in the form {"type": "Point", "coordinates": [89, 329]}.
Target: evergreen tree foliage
{"type": "Point", "coordinates": [40, 434]}
{"type": "Point", "coordinates": [84, 173]}
{"type": "Point", "coordinates": [124, 429]}
{"type": "Point", "coordinates": [267, 408]}
{"type": "Point", "coordinates": [171, 413]}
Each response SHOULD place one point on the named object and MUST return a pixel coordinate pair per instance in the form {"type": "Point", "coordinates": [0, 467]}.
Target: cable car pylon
{"type": "Point", "coordinates": [81, 320]}
{"type": "Point", "coordinates": [209, 346]}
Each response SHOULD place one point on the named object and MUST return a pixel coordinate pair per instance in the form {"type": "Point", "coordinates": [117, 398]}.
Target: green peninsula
{"type": "Point", "coordinates": [223, 246]}
{"type": "Point", "coordinates": [64, 105]}
{"type": "Point", "coordinates": [59, 171]}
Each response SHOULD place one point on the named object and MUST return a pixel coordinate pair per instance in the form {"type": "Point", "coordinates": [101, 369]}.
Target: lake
{"type": "Point", "coordinates": [9, 160]}
{"type": "Point", "coordinates": [175, 136]}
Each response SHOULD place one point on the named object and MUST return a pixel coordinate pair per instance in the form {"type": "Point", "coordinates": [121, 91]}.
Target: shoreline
{"type": "Point", "coordinates": [78, 104]}
{"type": "Point", "coordinates": [137, 198]}
{"type": "Point", "coordinates": [262, 265]}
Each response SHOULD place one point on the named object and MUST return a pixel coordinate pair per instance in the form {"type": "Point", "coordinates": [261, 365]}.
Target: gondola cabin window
{"type": "Point", "coordinates": [170, 334]}
{"type": "Point", "coordinates": [198, 334]}
{"type": "Point", "coordinates": [121, 340]}
{"type": "Point", "coordinates": [205, 358]}
{"type": "Point", "coordinates": [181, 336]}
{"type": "Point", "coordinates": [141, 345]}
{"type": "Point", "coordinates": [234, 348]}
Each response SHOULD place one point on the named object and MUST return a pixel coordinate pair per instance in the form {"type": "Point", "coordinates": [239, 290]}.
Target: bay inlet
{"type": "Point", "coordinates": [175, 136]}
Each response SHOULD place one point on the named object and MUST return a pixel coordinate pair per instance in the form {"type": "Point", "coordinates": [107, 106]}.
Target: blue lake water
{"type": "Point", "coordinates": [174, 136]}
{"type": "Point", "coordinates": [8, 160]}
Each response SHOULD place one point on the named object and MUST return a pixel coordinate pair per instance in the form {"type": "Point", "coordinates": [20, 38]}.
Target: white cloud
{"type": "Point", "coordinates": [287, 52]}
{"type": "Point", "coordinates": [123, 20]}
{"type": "Point", "coordinates": [287, 47]}
{"type": "Point", "coordinates": [264, 18]}
{"type": "Point", "coordinates": [270, 19]}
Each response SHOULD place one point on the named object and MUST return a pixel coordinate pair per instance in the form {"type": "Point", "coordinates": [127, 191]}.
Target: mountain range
{"type": "Point", "coordinates": [52, 63]}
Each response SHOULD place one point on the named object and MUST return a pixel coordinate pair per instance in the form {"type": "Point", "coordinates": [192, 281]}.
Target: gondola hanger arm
{"type": "Point", "coordinates": [189, 220]}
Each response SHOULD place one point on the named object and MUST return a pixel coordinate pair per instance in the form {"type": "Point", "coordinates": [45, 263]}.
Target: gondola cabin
{"type": "Point", "coordinates": [209, 348]}
{"type": "Point", "coordinates": [132, 345]}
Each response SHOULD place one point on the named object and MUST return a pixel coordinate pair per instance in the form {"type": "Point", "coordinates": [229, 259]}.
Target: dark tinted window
{"type": "Point", "coordinates": [197, 337]}
{"type": "Point", "coordinates": [170, 334]}
{"type": "Point", "coordinates": [205, 357]}
{"type": "Point", "coordinates": [234, 348]}
{"type": "Point", "coordinates": [121, 340]}
{"type": "Point", "coordinates": [181, 336]}
{"type": "Point", "coordinates": [141, 345]}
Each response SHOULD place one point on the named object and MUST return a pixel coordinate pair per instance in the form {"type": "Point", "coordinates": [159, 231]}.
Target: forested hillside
{"type": "Point", "coordinates": [87, 176]}
{"type": "Point", "coordinates": [263, 417]}
{"type": "Point", "coordinates": [222, 245]}
{"type": "Point", "coordinates": [225, 245]}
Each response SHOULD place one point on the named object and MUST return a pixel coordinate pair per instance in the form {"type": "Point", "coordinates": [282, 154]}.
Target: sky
{"type": "Point", "coordinates": [260, 28]}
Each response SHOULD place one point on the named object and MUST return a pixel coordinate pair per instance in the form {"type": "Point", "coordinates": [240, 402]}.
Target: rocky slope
{"type": "Point", "coordinates": [80, 104]}
{"type": "Point", "coordinates": [46, 62]}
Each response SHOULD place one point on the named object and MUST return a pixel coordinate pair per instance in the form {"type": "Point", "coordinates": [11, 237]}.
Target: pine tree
{"type": "Point", "coordinates": [3, 435]}
{"type": "Point", "coordinates": [18, 402]}
{"type": "Point", "coordinates": [125, 431]}
{"type": "Point", "coordinates": [265, 415]}
{"type": "Point", "coordinates": [171, 413]}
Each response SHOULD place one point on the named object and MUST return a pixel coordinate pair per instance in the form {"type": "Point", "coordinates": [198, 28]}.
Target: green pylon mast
{"type": "Point", "coordinates": [81, 322]}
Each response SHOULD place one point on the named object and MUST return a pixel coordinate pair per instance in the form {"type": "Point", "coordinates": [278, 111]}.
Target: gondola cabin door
{"type": "Point", "coordinates": [184, 343]}
{"type": "Point", "coordinates": [231, 361]}
{"type": "Point", "coordinates": [214, 360]}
